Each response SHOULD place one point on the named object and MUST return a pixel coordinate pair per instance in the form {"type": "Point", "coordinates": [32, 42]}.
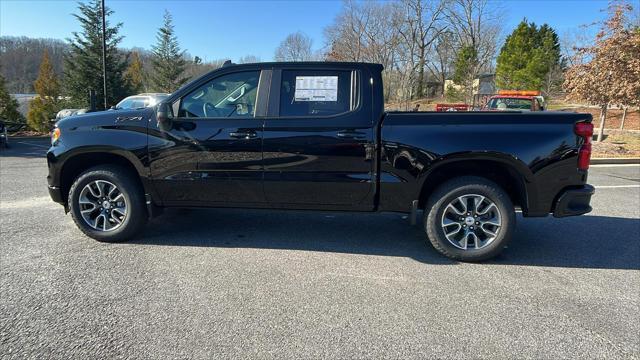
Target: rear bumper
{"type": "Point", "coordinates": [574, 202]}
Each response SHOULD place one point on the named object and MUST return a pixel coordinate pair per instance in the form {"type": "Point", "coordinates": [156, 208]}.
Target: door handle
{"type": "Point", "coordinates": [351, 134]}
{"type": "Point", "coordinates": [243, 134]}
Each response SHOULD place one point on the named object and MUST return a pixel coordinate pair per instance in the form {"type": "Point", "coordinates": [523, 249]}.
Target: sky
{"type": "Point", "coordinates": [216, 29]}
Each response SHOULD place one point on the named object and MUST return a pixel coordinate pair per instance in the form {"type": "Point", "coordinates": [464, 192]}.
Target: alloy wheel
{"type": "Point", "coordinates": [471, 221]}
{"type": "Point", "coordinates": [102, 205]}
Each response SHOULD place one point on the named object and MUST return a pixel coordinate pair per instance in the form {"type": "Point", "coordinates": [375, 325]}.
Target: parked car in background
{"type": "Point", "coordinates": [4, 140]}
{"type": "Point", "coordinates": [140, 101]}
{"type": "Point", "coordinates": [519, 100]}
{"type": "Point", "coordinates": [70, 112]}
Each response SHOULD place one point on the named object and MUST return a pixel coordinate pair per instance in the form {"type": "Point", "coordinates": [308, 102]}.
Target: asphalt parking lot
{"type": "Point", "coordinates": [250, 283]}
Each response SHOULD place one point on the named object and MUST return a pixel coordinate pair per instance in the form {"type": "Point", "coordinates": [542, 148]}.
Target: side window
{"type": "Point", "coordinates": [316, 92]}
{"type": "Point", "coordinates": [230, 95]}
{"type": "Point", "coordinates": [138, 103]}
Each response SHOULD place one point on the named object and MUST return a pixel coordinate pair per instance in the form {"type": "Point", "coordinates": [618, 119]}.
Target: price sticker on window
{"type": "Point", "coordinates": [316, 88]}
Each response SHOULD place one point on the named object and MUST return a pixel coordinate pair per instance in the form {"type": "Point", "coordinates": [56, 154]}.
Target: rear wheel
{"type": "Point", "coordinates": [107, 204]}
{"type": "Point", "coordinates": [469, 219]}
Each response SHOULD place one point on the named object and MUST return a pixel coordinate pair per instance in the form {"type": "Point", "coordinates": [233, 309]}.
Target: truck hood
{"type": "Point", "coordinates": [107, 118]}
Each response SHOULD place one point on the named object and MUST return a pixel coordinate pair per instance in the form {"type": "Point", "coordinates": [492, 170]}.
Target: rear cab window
{"type": "Point", "coordinates": [317, 93]}
{"type": "Point", "coordinates": [502, 103]}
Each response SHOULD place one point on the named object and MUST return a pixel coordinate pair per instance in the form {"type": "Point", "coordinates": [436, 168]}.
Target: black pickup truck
{"type": "Point", "coordinates": [315, 136]}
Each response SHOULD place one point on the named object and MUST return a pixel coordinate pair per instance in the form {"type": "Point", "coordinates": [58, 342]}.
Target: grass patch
{"type": "Point", "coordinates": [617, 144]}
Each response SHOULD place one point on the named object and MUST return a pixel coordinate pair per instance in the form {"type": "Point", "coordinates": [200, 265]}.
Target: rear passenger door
{"type": "Point", "coordinates": [318, 146]}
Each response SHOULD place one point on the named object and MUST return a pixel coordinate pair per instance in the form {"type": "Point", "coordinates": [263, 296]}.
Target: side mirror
{"type": "Point", "coordinates": [164, 116]}
{"type": "Point", "coordinates": [113, 107]}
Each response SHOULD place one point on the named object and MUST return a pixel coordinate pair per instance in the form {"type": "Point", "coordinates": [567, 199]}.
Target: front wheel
{"type": "Point", "coordinates": [469, 219]}
{"type": "Point", "coordinates": [107, 204]}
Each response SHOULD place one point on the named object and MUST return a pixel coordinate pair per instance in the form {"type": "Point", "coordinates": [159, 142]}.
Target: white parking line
{"type": "Point", "coordinates": [26, 203]}
{"type": "Point", "coordinates": [32, 144]}
{"type": "Point", "coordinates": [615, 186]}
{"type": "Point", "coordinates": [614, 165]}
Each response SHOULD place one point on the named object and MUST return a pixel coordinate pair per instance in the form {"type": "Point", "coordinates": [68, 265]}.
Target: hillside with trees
{"type": "Point", "coordinates": [20, 59]}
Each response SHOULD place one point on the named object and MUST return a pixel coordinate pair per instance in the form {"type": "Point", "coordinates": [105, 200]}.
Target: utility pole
{"type": "Point", "coordinates": [104, 56]}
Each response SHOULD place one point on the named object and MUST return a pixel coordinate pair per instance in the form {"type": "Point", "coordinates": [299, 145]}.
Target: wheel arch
{"type": "Point", "coordinates": [510, 174]}
{"type": "Point", "coordinates": [79, 162]}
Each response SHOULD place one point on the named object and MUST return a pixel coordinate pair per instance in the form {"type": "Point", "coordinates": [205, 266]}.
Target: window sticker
{"type": "Point", "coordinates": [316, 88]}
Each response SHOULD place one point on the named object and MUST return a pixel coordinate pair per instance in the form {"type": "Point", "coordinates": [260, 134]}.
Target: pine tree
{"type": "Point", "coordinates": [135, 74]}
{"type": "Point", "coordinates": [8, 105]}
{"type": "Point", "coordinates": [527, 58]}
{"type": "Point", "coordinates": [44, 107]}
{"type": "Point", "coordinates": [168, 59]}
{"type": "Point", "coordinates": [83, 65]}
{"type": "Point", "coordinates": [465, 65]}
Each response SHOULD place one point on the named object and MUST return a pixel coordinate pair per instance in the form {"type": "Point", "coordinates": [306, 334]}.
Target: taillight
{"type": "Point", "coordinates": [585, 131]}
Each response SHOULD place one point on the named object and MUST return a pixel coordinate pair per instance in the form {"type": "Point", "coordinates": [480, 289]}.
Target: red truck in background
{"type": "Point", "coordinates": [515, 100]}
{"type": "Point", "coordinates": [504, 100]}
{"type": "Point", "coordinates": [452, 107]}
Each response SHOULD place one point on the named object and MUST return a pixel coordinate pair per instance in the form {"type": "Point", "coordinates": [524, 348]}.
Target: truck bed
{"type": "Point", "coordinates": [538, 148]}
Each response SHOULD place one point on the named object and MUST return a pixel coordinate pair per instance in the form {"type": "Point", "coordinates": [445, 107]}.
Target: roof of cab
{"type": "Point", "coordinates": [375, 66]}
{"type": "Point", "coordinates": [372, 67]}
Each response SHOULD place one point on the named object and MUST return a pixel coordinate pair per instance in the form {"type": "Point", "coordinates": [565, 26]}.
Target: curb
{"type": "Point", "coordinates": [597, 161]}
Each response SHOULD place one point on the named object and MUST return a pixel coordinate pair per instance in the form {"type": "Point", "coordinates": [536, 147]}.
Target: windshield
{"type": "Point", "coordinates": [139, 102]}
{"type": "Point", "coordinates": [157, 98]}
{"type": "Point", "coordinates": [509, 104]}
{"type": "Point", "coordinates": [133, 103]}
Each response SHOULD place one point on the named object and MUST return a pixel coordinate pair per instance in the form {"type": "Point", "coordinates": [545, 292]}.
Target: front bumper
{"type": "Point", "coordinates": [56, 194]}
{"type": "Point", "coordinates": [574, 201]}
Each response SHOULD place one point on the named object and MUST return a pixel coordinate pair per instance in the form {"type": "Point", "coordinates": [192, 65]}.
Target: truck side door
{"type": "Point", "coordinates": [216, 124]}
{"type": "Point", "coordinates": [319, 139]}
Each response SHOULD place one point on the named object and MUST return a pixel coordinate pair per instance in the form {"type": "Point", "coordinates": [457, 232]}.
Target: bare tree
{"type": "Point", "coordinates": [442, 57]}
{"type": "Point", "coordinates": [610, 75]}
{"type": "Point", "coordinates": [477, 24]}
{"type": "Point", "coordinates": [408, 38]}
{"type": "Point", "coordinates": [367, 31]}
{"type": "Point", "coordinates": [571, 41]}
{"type": "Point", "coordinates": [248, 59]}
{"type": "Point", "coordinates": [295, 47]}
{"type": "Point", "coordinates": [420, 25]}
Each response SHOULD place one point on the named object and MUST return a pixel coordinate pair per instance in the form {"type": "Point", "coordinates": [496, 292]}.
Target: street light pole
{"type": "Point", "coordinates": [104, 56]}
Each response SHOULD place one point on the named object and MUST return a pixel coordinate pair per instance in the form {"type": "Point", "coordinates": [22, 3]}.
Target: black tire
{"type": "Point", "coordinates": [452, 190]}
{"type": "Point", "coordinates": [126, 183]}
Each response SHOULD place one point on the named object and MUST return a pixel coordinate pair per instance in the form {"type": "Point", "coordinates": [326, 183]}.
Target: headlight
{"type": "Point", "coordinates": [55, 135]}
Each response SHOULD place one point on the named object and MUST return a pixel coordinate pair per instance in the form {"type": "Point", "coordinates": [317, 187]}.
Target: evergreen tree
{"type": "Point", "coordinates": [135, 74]}
{"type": "Point", "coordinates": [83, 65]}
{"type": "Point", "coordinates": [528, 56]}
{"type": "Point", "coordinates": [8, 105]}
{"type": "Point", "coordinates": [45, 106]}
{"type": "Point", "coordinates": [168, 59]}
{"type": "Point", "coordinates": [466, 66]}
